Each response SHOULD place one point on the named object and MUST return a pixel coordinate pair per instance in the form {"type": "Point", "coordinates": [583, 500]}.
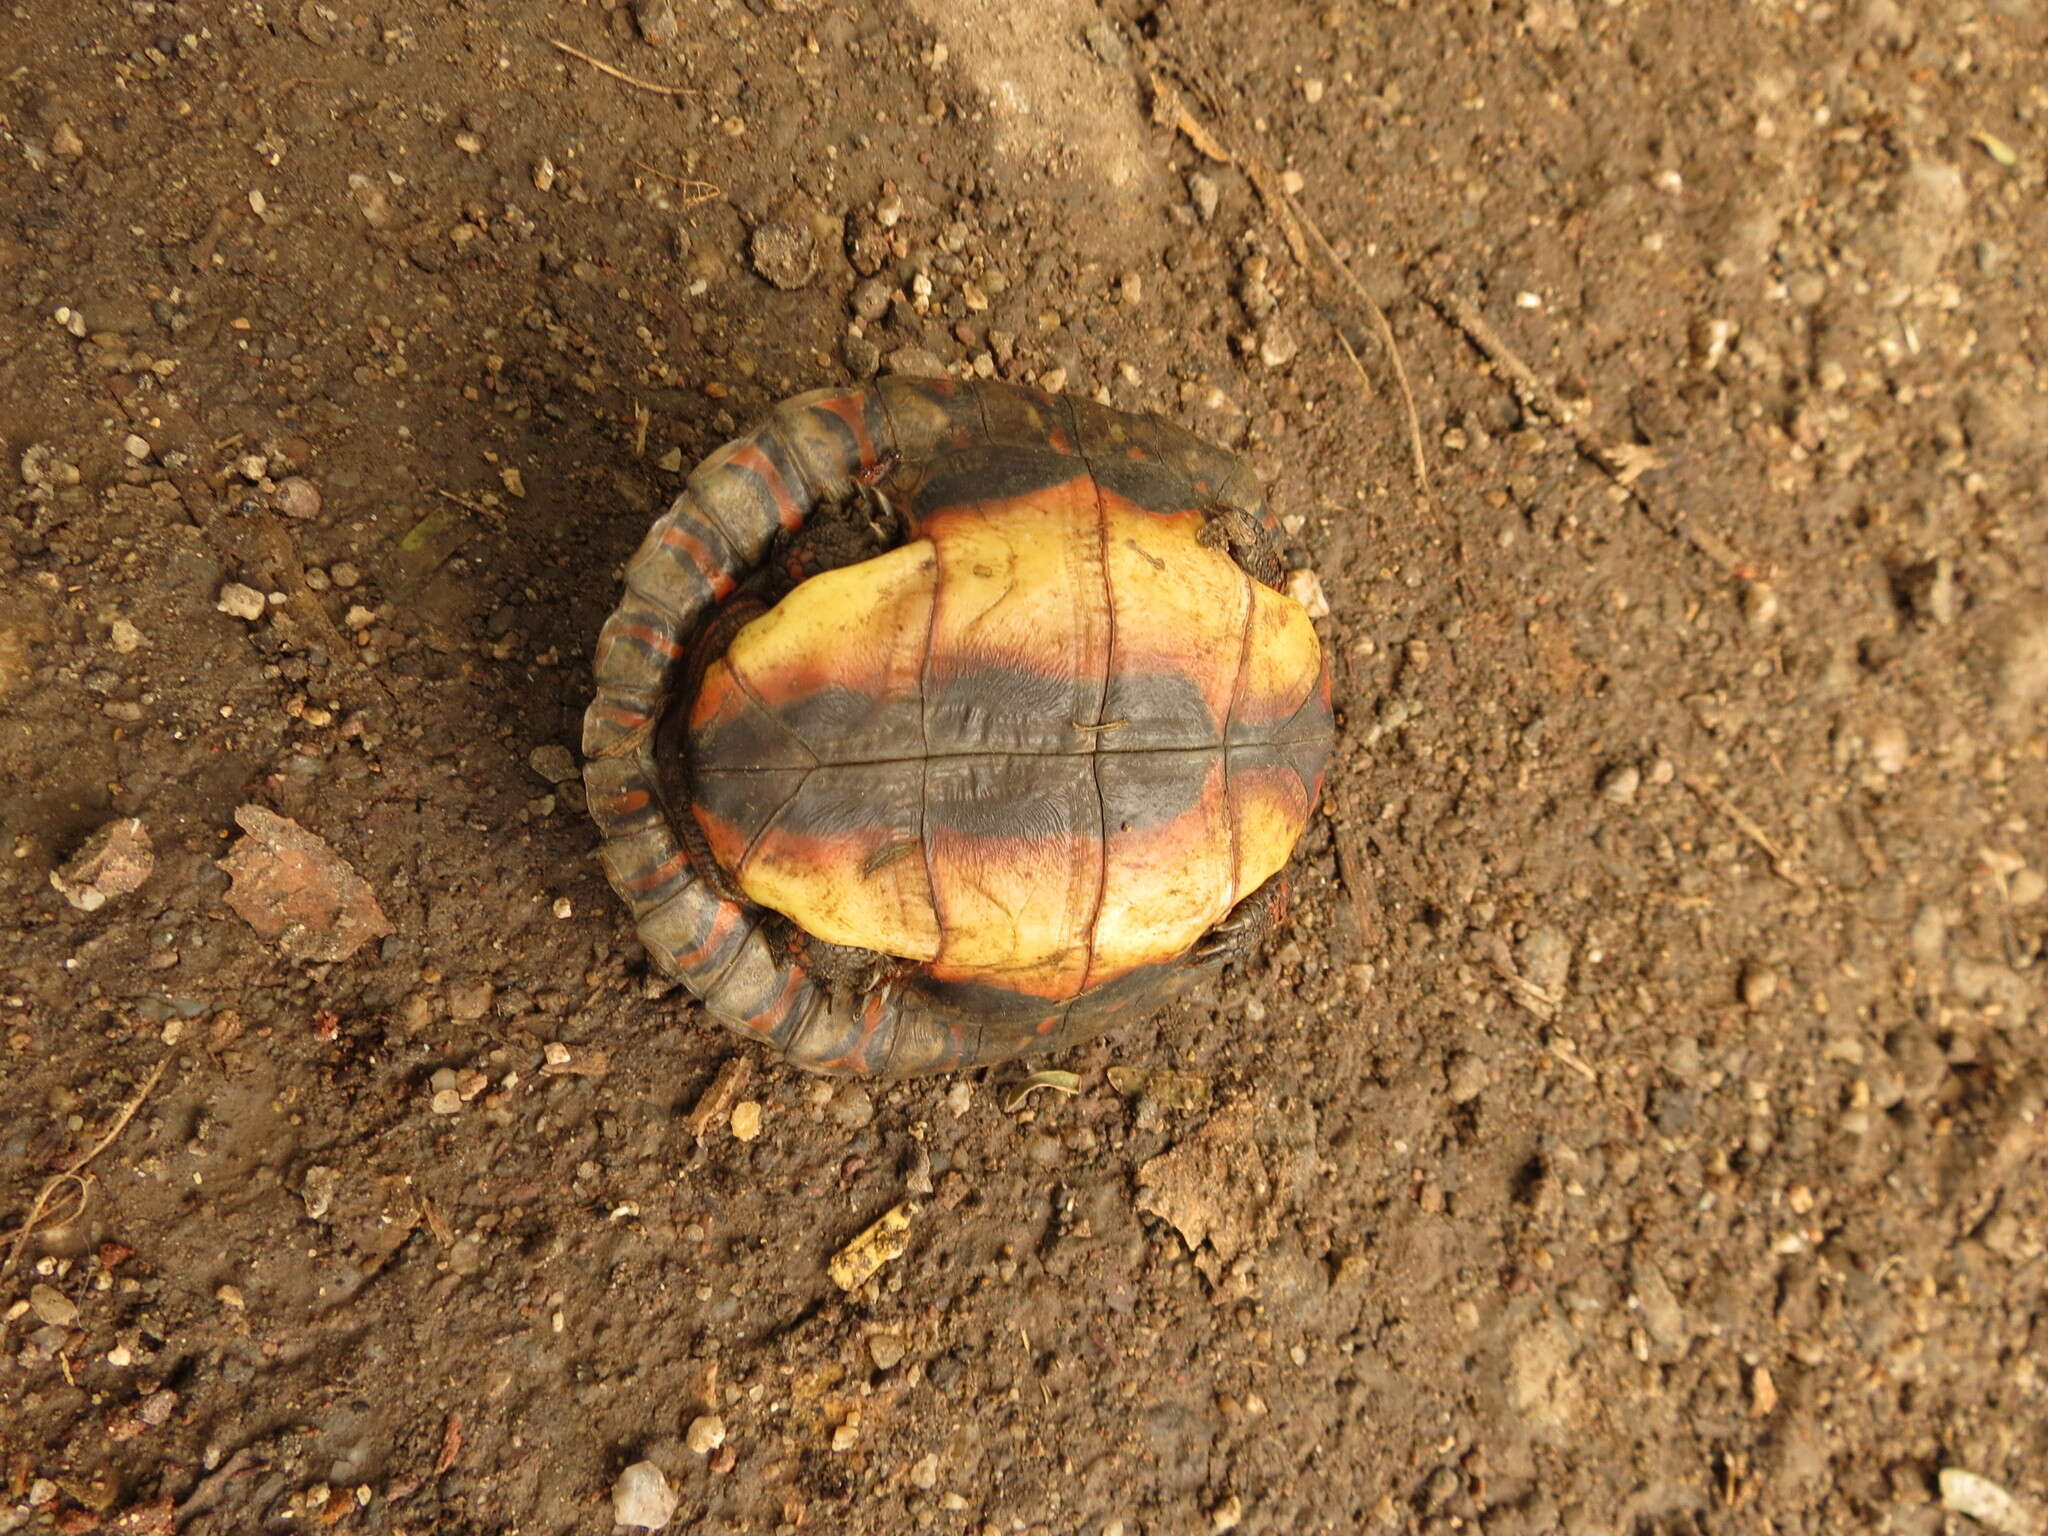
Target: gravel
{"type": "Point", "coordinates": [642, 1499]}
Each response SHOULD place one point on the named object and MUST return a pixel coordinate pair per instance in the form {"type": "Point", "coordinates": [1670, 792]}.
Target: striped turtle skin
{"type": "Point", "coordinates": [1037, 751]}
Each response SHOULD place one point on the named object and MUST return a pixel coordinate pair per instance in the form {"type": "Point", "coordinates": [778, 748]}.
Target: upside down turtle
{"type": "Point", "coordinates": [1027, 749]}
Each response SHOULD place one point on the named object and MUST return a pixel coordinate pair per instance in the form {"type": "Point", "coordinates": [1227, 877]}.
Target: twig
{"type": "Point", "coordinates": [1386, 334]}
{"type": "Point", "coordinates": [77, 1168]}
{"type": "Point", "coordinates": [710, 190]}
{"type": "Point", "coordinates": [1782, 864]}
{"type": "Point", "coordinates": [1300, 231]}
{"type": "Point", "coordinates": [1364, 379]}
{"type": "Point", "coordinates": [1625, 464]}
{"type": "Point", "coordinates": [619, 74]}
{"type": "Point", "coordinates": [467, 503]}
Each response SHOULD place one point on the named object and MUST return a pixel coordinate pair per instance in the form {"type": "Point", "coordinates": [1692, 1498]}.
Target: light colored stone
{"type": "Point", "coordinates": [705, 1434]}
{"type": "Point", "coordinates": [243, 602]}
{"type": "Point", "coordinates": [642, 1498]}
{"type": "Point", "coordinates": [1306, 588]}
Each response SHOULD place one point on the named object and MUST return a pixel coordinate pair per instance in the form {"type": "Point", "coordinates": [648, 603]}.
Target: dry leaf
{"type": "Point", "coordinates": [292, 888]}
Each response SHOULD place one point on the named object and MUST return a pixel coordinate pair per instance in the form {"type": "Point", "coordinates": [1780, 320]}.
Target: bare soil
{"type": "Point", "coordinates": [1639, 1126]}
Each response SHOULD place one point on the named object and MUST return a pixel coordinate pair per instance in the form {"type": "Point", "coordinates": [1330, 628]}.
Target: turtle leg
{"type": "Point", "coordinates": [1245, 929]}
{"type": "Point", "coordinates": [851, 529]}
{"type": "Point", "coordinates": [1246, 540]}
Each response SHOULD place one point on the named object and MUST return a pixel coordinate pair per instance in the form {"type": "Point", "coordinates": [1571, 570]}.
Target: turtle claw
{"type": "Point", "coordinates": [1238, 534]}
{"type": "Point", "coordinates": [1241, 933]}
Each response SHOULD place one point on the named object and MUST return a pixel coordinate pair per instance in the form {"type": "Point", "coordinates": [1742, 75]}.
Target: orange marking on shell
{"type": "Point", "coordinates": [750, 458]}
{"type": "Point", "coordinates": [848, 409]}
{"type": "Point", "coordinates": [623, 717]}
{"type": "Point", "coordinates": [678, 537]}
{"type": "Point", "coordinates": [727, 843]}
{"type": "Point", "coordinates": [628, 802]}
{"type": "Point", "coordinates": [1059, 442]}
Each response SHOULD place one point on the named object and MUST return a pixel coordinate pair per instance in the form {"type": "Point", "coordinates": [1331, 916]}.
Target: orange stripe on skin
{"type": "Point", "coordinates": [628, 802]}
{"type": "Point", "coordinates": [848, 409]}
{"type": "Point", "coordinates": [653, 639]}
{"type": "Point", "coordinates": [721, 926]}
{"type": "Point", "coordinates": [769, 1019]}
{"type": "Point", "coordinates": [661, 874]}
{"type": "Point", "coordinates": [713, 570]}
{"type": "Point", "coordinates": [748, 456]}
{"type": "Point", "coordinates": [855, 1057]}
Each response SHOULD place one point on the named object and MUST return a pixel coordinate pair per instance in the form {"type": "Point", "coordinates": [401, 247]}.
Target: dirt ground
{"type": "Point", "coordinates": [1639, 1127]}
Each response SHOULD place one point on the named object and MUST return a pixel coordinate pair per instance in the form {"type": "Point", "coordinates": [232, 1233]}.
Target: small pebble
{"type": "Point", "coordinates": [783, 253]}
{"type": "Point", "coordinates": [1468, 1077]}
{"type": "Point", "coordinates": [871, 298]}
{"type": "Point", "coordinates": [886, 1350]}
{"type": "Point", "coordinates": [852, 1108]}
{"type": "Point", "coordinates": [1888, 747]}
{"type": "Point", "coordinates": [845, 1437]}
{"type": "Point", "coordinates": [115, 860]}
{"type": "Point", "coordinates": [2026, 887]}
{"type": "Point", "coordinates": [1759, 984]}
{"type": "Point", "coordinates": [1760, 604]}
{"type": "Point", "coordinates": [241, 601]}
{"type": "Point", "coordinates": [642, 1498]}
{"type": "Point", "coordinates": [656, 20]}
{"type": "Point", "coordinates": [1306, 588]}
{"type": "Point", "coordinates": [297, 497]}
{"type": "Point", "coordinates": [135, 446]}
{"type": "Point", "coordinates": [553, 762]}
{"type": "Point", "coordinates": [1987, 1503]}
{"type": "Point", "coordinates": [52, 1306]}
{"type": "Point", "coordinates": [1618, 785]}
{"type": "Point", "coordinates": [1277, 345]}
{"type": "Point", "coordinates": [65, 143]}
{"type": "Point", "coordinates": [447, 1101]}
{"type": "Point", "coordinates": [469, 143]}
{"type": "Point", "coordinates": [705, 1434]}
{"type": "Point", "coordinates": [924, 1473]}
{"type": "Point", "coordinates": [746, 1120]}
{"type": "Point", "coordinates": [343, 574]}
{"type": "Point", "coordinates": [1203, 193]}
{"type": "Point", "coordinates": [230, 1296]}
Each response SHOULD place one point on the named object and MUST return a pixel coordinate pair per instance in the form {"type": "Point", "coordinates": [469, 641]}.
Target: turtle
{"type": "Point", "coordinates": [944, 722]}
